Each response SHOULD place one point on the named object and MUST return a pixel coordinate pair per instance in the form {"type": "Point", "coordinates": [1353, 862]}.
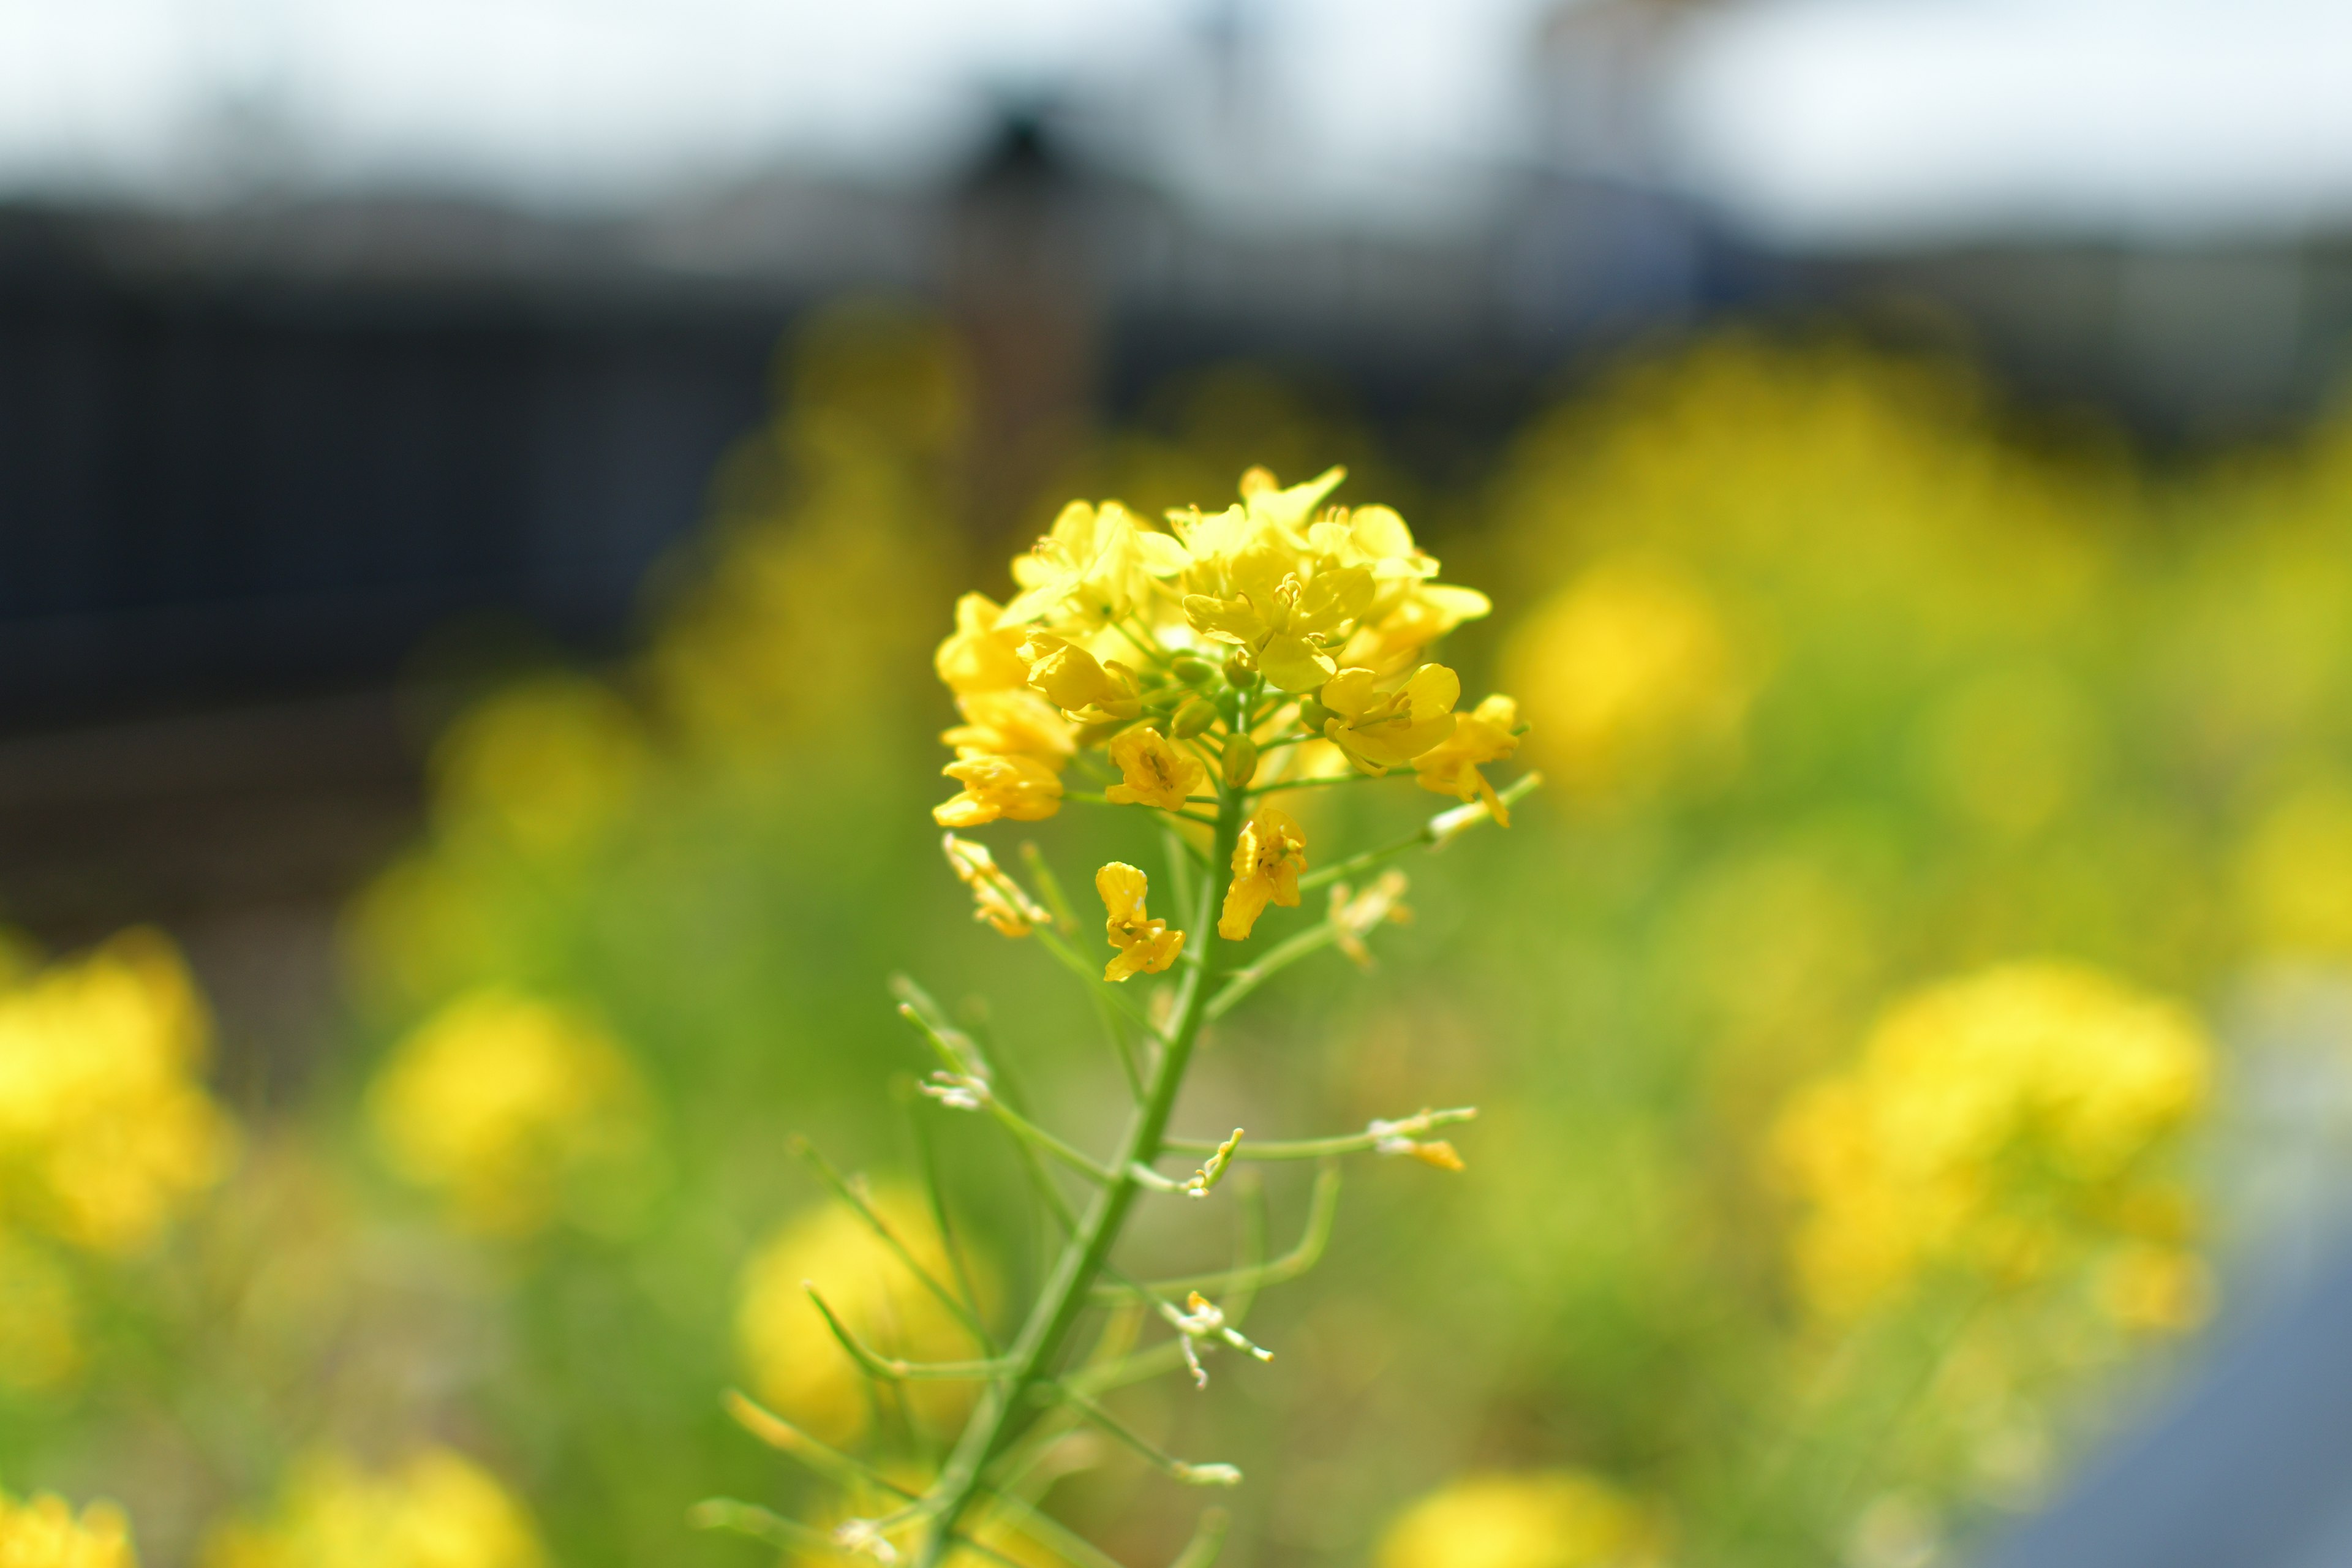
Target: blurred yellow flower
{"type": "Point", "coordinates": [1153, 771]}
{"type": "Point", "coordinates": [1146, 946]}
{"type": "Point", "coordinates": [1482, 736]}
{"type": "Point", "coordinates": [513, 1110]}
{"type": "Point", "coordinates": [1267, 858]}
{"type": "Point", "coordinates": [2000, 1124]}
{"type": "Point", "coordinates": [43, 1531]}
{"type": "Point", "coordinates": [1624, 675]}
{"type": "Point", "coordinates": [105, 1132]}
{"type": "Point", "coordinates": [976, 657]}
{"type": "Point", "coordinates": [1021, 788]}
{"type": "Point", "coordinates": [542, 765]}
{"type": "Point", "coordinates": [795, 1364]}
{"type": "Point", "coordinates": [1012, 724]}
{"type": "Point", "coordinates": [2294, 873]}
{"type": "Point", "coordinates": [40, 1320]}
{"type": "Point", "coordinates": [997, 899]}
{"type": "Point", "coordinates": [438, 1510]}
{"type": "Point", "coordinates": [1557, 1518]}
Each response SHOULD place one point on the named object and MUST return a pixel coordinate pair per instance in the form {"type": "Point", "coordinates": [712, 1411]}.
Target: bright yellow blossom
{"type": "Point", "coordinates": [1380, 729]}
{"type": "Point", "coordinates": [1267, 858]}
{"type": "Point", "coordinates": [1146, 946]}
{"type": "Point", "coordinates": [43, 1531]}
{"type": "Point", "coordinates": [1482, 736]}
{"type": "Point", "coordinates": [1017, 722]}
{"type": "Point", "coordinates": [437, 1510]}
{"type": "Point", "coordinates": [998, 900]}
{"type": "Point", "coordinates": [1154, 771]}
{"type": "Point", "coordinates": [1078, 683]}
{"type": "Point", "coordinates": [1097, 567]}
{"type": "Point", "coordinates": [1020, 787]}
{"type": "Point", "coordinates": [1562, 1518]}
{"type": "Point", "coordinates": [977, 657]}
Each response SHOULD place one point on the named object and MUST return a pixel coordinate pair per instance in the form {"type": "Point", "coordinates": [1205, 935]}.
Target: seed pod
{"type": "Point", "coordinates": [1197, 714]}
{"type": "Point", "coordinates": [1241, 762]}
{"type": "Point", "coordinates": [1240, 667]}
{"type": "Point", "coordinates": [1194, 671]}
{"type": "Point", "coordinates": [1313, 714]}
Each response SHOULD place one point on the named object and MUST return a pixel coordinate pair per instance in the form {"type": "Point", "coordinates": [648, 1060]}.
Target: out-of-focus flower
{"type": "Point", "coordinates": [1021, 788]}
{"type": "Point", "coordinates": [1380, 729]}
{"type": "Point", "coordinates": [41, 1321]}
{"type": "Point", "coordinates": [105, 1132]}
{"type": "Point", "coordinates": [2003, 1124]}
{"type": "Point", "coordinates": [795, 1364]}
{"type": "Point", "coordinates": [1355, 914]}
{"type": "Point", "coordinates": [1556, 1518]}
{"type": "Point", "coordinates": [513, 1110]}
{"type": "Point", "coordinates": [438, 1510]}
{"type": "Point", "coordinates": [1153, 771]}
{"type": "Point", "coordinates": [1486, 734]}
{"type": "Point", "coordinates": [1146, 946]}
{"type": "Point", "coordinates": [2294, 873]}
{"type": "Point", "coordinates": [1625, 675]}
{"type": "Point", "coordinates": [1267, 858]}
{"type": "Point", "coordinates": [977, 657]}
{"type": "Point", "coordinates": [997, 899]}
{"type": "Point", "coordinates": [1012, 724]}
{"type": "Point", "coordinates": [543, 765]}
{"type": "Point", "coordinates": [43, 1531]}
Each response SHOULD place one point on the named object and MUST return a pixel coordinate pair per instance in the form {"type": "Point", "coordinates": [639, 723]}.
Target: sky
{"type": "Point", "coordinates": [1836, 122]}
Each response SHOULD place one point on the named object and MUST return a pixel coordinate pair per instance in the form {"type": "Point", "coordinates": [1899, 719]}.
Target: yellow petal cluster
{"type": "Point", "coordinates": [43, 1532]}
{"type": "Point", "coordinates": [997, 900]}
{"type": "Point", "coordinates": [1267, 858]}
{"type": "Point", "coordinates": [2006, 1125]}
{"type": "Point", "coordinates": [1153, 771]}
{"type": "Point", "coordinates": [1019, 787]}
{"type": "Point", "coordinates": [514, 1110]}
{"type": "Point", "coordinates": [106, 1131]}
{"type": "Point", "coordinates": [436, 1510]}
{"type": "Point", "coordinates": [1488, 733]}
{"type": "Point", "coordinates": [1146, 946]}
{"type": "Point", "coordinates": [1382, 727]}
{"type": "Point", "coordinates": [1554, 1519]}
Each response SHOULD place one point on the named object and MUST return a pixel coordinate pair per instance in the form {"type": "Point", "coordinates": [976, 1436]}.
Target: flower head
{"type": "Point", "coordinates": [1153, 771]}
{"type": "Point", "coordinates": [997, 899]}
{"type": "Point", "coordinates": [1380, 729]}
{"type": "Point", "coordinates": [1078, 683]}
{"type": "Point", "coordinates": [1267, 858]}
{"type": "Point", "coordinates": [1146, 946]}
{"type": "Point", "coordinates": [1482, 736]}
{"type": "Point", "coordinates": [1020, 787]}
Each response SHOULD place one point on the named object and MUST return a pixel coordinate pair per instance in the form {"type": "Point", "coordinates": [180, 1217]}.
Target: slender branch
{"type": "Point", "coordinates": [1346, 1143]}
{"type": "Point", "coordinates": [1428, 833]}
{"type": "Point", "coordinates": [842, 1189]}
{"type": "Point", "coordinates": [830, 1462]}
{"type": "Point", "coordinates": [1184, 1471]}
{"type": "Point", "coordinates": [1348, 778]}
{"type": "Point", "coordinates": [1281, 956]}
{"type": "Point", "coordinates": [927, 1163]}
{"type": "Point", "coordinates": [892, 1369]}
{"type": "Point", "coordinates": [760, 1524]}
{"type": "Point", "coordinates": [1208, 1540]}
{"type": "Point", "coordinates": [1323, 1206]}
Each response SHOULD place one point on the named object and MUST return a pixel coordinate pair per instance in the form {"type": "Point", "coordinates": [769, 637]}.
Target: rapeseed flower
{"type": "Point", "coordinates": [43, 1532]}
{"type": "Point", "coordinates": [1558, 1519]}
{"type": "Point", "coordinates": [1146, 946]}
{"type": "Point", "coordinates": [1153, 771]}
{"type": "Point", "coordinates": [997, 900]}
{"type": "Point", "coordinates": [1486, 734]}
{"type": "Point", "coordinates": [1383, 729]}
{"type": "Point", "coordinates": [1267, 858]}
{"type": "Point", "coordinates": [1012, 724]}
{"type": "Point", "coordinates": [436, 1510]}
{"type": "Point", "coordinates": [1020, 787]}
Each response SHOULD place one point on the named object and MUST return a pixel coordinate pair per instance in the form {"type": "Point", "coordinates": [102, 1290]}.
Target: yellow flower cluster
{"type": "Point", "coordinates": [507, 1106]}
{"type": "Point", "coordinates": [796, 1365]}
{"type": "Point", "coordinates": [1558, 1519]}
{"type": "Point", "coordinates": [106, 1132]}
{"type": "Point", "coordinates": [1230, 647]}
{"type": "Point", "coordinates": [2003, 1125]}
{"type": "Point", "coordinates": [438, 1510]}
{"type": "Point", "coordinates": [44, 1533]}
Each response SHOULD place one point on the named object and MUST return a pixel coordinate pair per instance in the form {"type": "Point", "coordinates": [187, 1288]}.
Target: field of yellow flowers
{"type": "Point", "coordinates": [1941, 828]}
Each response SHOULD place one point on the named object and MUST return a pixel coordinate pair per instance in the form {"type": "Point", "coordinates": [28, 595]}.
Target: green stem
{"type": "Point", "coordinates": [1007, 1407]}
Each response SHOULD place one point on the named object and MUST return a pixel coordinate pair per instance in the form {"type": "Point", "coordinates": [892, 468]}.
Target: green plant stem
{"type": "Point", "coordinates": [1007, 1407]}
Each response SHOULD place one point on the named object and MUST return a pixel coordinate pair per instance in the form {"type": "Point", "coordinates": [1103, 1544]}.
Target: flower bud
{"type": "Point", "coordinates": [1194, 671]}
{"type": "Point", "coordinates": [1195, 716]}
{"type": "Point", "coordinates": [1240, 667]}
{"type": "Point", "coordinates": [1241, 762]}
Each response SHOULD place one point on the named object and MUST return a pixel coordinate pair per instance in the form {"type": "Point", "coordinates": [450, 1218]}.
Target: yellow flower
{"type": "Point", "coordinates": [1267, 858]}
{"type": "Point", "coordinates": [43, 1532]}
{"type": "Point", "coordinates": [796, 1365]}
{"type": "Point", "coordinates": [1146, 946]}
{"type": "Point", "coordinates": [1560, 1519]}
{"type": "Point", "coordinates": [1482, 736]}
{"type": "Point", "coordinates": [511, 1108]}
{"type": "Point", "coordinates": [1391, 641]}
{"type": "Point", "coordinates": [1382, 730]}
{"type": "Point", "coordinates": [1021, 788]}
{"type": "Point", "coordinates": [106, 1131]}
{"type": "Point", "coordinates": [1285, 619]}
{"type": "Point", "coordinates": [998, 898]}
{"type": "Point", "coordinates": [438, 1510]}
{"type": "Point", "coordinates": [977, 657]}
{"type": "Point", "coordinates": [1078, 683]}
{"type": "Point", "coordinates": [1156, 771]}
{"type": "Point", "coordinates": [1017, 722]}
{"type": "Point", "coordinates": [1096, 567]}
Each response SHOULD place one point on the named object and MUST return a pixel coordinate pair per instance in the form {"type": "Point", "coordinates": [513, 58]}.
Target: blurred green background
{"type": "Point", "coordinates": [1945, 818]}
